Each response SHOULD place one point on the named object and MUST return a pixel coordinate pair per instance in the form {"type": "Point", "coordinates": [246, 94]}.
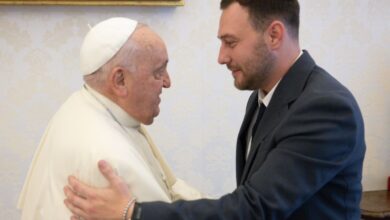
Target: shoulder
{"type": "Point", "coordinates": [322, 89]}
{"type": "Point", "coordinates": [324, 108]}
{"type": "Point", "coordinates": [80, 129]}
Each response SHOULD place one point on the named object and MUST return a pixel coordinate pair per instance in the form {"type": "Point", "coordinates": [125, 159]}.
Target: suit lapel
{"type": "Point", "coordinates": [289, 88]}
{"type": "Point", "coordinates": [241, 140]}
{"type": "Point", "coordinates": [271, 118]}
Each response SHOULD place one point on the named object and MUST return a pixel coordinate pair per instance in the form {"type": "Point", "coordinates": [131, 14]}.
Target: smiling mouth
{"type": "Point", "coordinates": [235, 73]}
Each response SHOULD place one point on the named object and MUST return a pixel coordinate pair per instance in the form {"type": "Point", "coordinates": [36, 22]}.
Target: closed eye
{"type": "Point", "coordinates": [230, 44]}
{"type": "Point", "coordinates": [229, 40]}
{"type": "Point", "coordinates": [159, 72]}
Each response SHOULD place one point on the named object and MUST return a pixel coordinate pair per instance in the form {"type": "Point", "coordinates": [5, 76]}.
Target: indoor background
{"type": "Point", "coordinates": [202, 111]}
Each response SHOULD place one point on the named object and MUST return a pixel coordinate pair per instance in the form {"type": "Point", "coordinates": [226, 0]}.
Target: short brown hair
{"type": "Point", "coordinates": [262, 12]}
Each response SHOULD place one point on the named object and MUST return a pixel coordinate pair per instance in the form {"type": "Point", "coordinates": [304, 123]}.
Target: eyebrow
{"type": "Point", "coordinates": [224, 36]}
{"type": "Point", "coordinates": [163, 65]}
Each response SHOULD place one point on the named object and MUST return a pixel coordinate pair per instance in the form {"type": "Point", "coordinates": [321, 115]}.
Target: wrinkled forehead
{"type": "Point", "coordinates": [148, 40]}
{"type": "Point", "coordinates": [151, 50]}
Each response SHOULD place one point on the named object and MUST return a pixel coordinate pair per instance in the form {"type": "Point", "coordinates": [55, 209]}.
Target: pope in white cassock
{"type": "Point", "coordinates": [124, 67]}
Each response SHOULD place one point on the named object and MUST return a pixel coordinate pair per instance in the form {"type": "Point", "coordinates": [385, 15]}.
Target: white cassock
{"type": "Point", "coordinates": [87, 128]}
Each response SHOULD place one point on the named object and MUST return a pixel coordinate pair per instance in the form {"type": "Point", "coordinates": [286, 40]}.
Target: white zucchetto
{"type": "Point", "coordinates": [103, 41]}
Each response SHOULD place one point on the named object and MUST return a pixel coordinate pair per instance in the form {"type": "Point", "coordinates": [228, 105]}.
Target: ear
{"type": "Point", "coordinates": [117, 81]}
{"type": "Point", "coordinates": [275, 34]}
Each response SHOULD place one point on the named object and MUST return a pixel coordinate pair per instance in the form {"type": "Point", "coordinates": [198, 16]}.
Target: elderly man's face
{"type": "Point", "coordinates": [146, 83]}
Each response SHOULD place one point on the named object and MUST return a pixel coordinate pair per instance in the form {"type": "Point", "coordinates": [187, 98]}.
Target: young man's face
{"type": "Point", "coordinates": [243, 49]}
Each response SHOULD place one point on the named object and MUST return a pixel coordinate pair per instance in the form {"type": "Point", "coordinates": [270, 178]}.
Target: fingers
{"type": "Point", "coordinates": [74, 199]}
{"type": "Point", "coordinates": [74, 217]}
{"type": "Point", "coordinates": [107, 171]}
{"type": "Point", "coordinates": [112, 177]}
{"type": "Point", "coordinates": [80, 188]}
{"type": "Point", "coordinates": [97, 203]}
{"type": "Point", "coordinates": [77, 213]}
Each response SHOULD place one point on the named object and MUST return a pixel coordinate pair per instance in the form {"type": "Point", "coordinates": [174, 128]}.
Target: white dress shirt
{"type": "Point", "coordinates": [265, 99]}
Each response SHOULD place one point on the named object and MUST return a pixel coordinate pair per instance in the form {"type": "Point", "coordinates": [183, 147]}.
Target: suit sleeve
{"type": "Point", "coordinates": [312, 144]}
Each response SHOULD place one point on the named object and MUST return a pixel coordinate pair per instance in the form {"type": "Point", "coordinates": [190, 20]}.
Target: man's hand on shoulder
{"type": "Point", "coordinates": [91, 203]}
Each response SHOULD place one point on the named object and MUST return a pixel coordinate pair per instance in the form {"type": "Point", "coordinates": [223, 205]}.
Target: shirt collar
{"type": "Point", "coordinates": [120, 115]}
{"type": "Point", "coordinates": [266, 98]}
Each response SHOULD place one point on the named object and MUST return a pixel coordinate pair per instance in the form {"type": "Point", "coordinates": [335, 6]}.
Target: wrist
{"type": "Point", "coordinates": [128, 210]}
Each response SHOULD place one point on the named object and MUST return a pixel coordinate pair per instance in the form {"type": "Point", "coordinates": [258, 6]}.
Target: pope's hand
{"type": "Point", "coordinates": [89, 203]}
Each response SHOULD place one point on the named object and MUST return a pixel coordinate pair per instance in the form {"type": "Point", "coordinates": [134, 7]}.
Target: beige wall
{"type": "Point", "coordinates": [201, 113]}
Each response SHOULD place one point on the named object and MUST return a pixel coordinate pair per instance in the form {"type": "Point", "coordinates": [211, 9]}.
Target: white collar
{"type": "Point", "coordinates": [118, 114]}
{"type": "Point", "coordinates": [265, 99]}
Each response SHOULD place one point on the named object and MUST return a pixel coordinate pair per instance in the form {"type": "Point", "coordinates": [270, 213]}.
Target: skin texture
{"type": "Point", "coordinates": [134, 81]}
{"type": "Point", "coordinates": [137, 89]}
{"type": "Point", "coordinates": [244, 50]}
{"type": "Point", "coordinates": [91, 203]}
{"type": "Point", "coordinates": [135, 77]}
{"type": "Point", "coordinates": [257, 59]}
{"type": "Point", "coordinates": [145, 84]}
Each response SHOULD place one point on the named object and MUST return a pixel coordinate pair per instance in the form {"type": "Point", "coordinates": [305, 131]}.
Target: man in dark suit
{"type": "Point", "coordinates": [301, 145]}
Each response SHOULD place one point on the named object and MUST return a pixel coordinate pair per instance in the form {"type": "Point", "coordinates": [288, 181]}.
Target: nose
{"type": "Point", "coordinates": [223, 57]}
{"type": "Point", "coordinates": [166, 80]}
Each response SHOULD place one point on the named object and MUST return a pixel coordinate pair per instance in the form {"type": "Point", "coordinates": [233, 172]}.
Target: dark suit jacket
{"type": "Point", "coordinates": [306, 162]}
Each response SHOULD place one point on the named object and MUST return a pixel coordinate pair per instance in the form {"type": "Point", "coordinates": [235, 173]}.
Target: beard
{"type": "Point", "coordinates": [256, 70]}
